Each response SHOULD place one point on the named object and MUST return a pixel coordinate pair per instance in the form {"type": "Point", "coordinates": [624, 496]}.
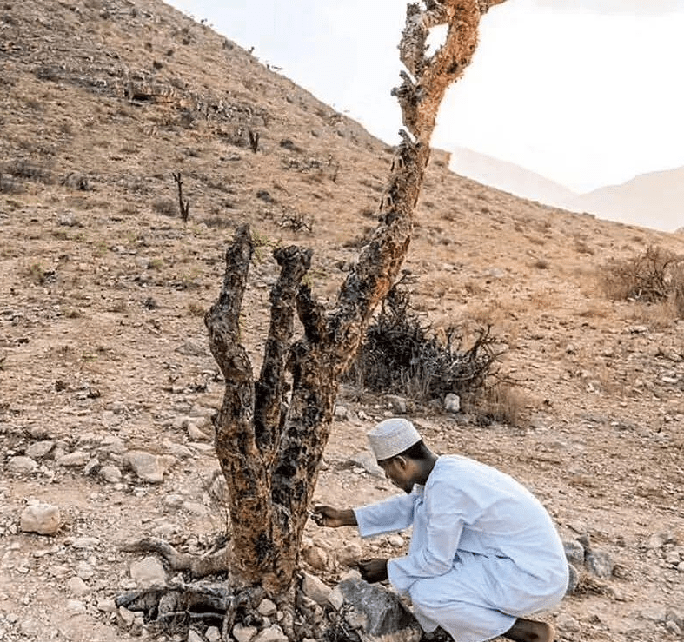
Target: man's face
{"type": "Point", "coordinates": [399, 472]}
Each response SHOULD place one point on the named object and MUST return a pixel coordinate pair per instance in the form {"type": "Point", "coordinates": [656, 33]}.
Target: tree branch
{"type": "Point", "coordinates": [270, 389]}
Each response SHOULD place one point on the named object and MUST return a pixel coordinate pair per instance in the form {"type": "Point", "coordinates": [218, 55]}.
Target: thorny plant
{"type": "Point", "coordinates": [402, 355]}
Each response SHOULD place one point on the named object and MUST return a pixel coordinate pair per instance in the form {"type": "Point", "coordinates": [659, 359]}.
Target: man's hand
{"type": "Point", "coordinates": [373, 570]}
{"type": "Point", "coordinates": [325, 516]}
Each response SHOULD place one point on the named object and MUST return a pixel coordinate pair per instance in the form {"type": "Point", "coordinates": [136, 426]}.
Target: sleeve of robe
{"type": "Point", "coordinates": [393, 514]}
{"type": "Point", "coordinates": [447, 508]}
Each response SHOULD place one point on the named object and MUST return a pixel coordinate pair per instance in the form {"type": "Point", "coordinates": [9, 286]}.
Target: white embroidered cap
{"type": "Point", "coordinates": [391, 437]}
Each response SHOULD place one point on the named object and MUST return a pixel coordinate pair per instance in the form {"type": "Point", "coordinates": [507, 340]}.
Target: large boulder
{"type": "Point", "coordinates": [383, 613]}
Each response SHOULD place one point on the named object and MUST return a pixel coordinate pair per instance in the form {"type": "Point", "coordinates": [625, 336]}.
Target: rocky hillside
{"type": "Point", "coordinates": [107, 383]}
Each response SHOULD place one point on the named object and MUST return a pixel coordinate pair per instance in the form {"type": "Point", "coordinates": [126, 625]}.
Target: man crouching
{"type": "Point", "coordinates": [484, 552]}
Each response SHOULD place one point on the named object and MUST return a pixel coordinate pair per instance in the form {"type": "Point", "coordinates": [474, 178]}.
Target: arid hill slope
{"type": "Point", "coordinates": [103, 350]}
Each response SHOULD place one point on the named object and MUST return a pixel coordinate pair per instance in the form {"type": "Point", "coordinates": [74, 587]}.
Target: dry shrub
{"type": "Point", "coordinates": [294, 220]}
{"type": "Point", "coordinates": [649, 277]}
{"type": "Point", "coordinates": [583, 248]}
{"type": "Point", "coordinates": [677, 289]}
{"type": "Point", "coordinates": [401, 355]}
{"type": "Point", "coordinates": [659, 315]}
{"type": "Point", "coordinates": [29, 171]}
{"type": "Point", "coordinates": [166, 207]}
{"type": "Point", "coordinates": [503, 403]}
{"type": "Point", "coordinates": [9, 185]}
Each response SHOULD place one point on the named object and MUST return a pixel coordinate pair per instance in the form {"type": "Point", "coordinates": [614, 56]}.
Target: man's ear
{"type": "Point", "coordinates": [401, 461]}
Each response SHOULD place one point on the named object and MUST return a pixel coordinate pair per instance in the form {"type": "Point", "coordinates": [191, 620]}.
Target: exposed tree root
{"type": "Point", "coordinates": [172, 610]}
{"type": "Point", "coordinates": [215, 562]}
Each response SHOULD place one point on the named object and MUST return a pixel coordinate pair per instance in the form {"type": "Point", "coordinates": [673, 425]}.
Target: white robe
{"type": "Point", "coordinates": [483, 552]}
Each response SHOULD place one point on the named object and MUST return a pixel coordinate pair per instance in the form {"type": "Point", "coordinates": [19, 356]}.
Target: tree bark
{"type": "Point", "coordinates": [271, 433]}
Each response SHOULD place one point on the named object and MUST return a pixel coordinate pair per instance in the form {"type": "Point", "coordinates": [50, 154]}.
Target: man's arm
{"type": "Point", "coordinates": [325, 516]}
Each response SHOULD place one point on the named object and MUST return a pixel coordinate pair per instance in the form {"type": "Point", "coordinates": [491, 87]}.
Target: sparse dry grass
{"type": "Point", "coordinates": [504, 403]}
{"type": "Point", "coordinates": [659, 315]}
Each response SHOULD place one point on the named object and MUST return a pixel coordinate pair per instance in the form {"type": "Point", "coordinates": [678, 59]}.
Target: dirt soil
{"type": "Point", "coordinates": [103, 351]}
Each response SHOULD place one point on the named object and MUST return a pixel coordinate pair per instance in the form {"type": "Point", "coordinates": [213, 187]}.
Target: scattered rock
{"type": "Point", "coordinates": [148, 572]}
{"type": "Point", "coordinates": [195, 508]}
{"type": "Point", "coordinates": [178, 450]}
{"type": "Point", "coordinates": [271, 633]}
{"type": "Point", "coordinates": [452, 403]}
{"type": "Point", "coordinates": [39, 450]}
{"type": "Point", "coordinates": [366, 460]}
{"type": "Point", "coordinates": [147, 466]}
{"type": "Point", "coordinates": [336, 598]}
{"type": "Point", "coordinates": [84, 571]}
{"type": "Point", "coordinates": [21, 465]}
{"type": "Point", "coordinates": [196, 434]}
{"type": "Point", "coordinates": [194, 636]}
{"type": "Point", "coordinates": [41, 519]}
{"type": "Point", "coordinates": [75, 459]}
{"type": "Point", "coordinates": [112, 444]}
{"type": "Point", "coordinates": [267, 607]}
{"type": "Point", "coordinates": [315, 588]}
{"type": "Point", "coordinates": [599, 564]}
{"type": "Point", "coordinates": [106, 605]}
{"type": "Point", "coordinates": [125, 616]}
{"type": "Point", "coordinates": [92, 467]}
{"type": "Point", "coordinates": [212, 634]}
{"type": "Point", "coordinates": [574, 551]}
{"type": "Point", "coordinates": [111, 474]}
{"type": "Point", "coordinates": [654, 613]}
{"type": "Point", "coordinates": [244, 633]}
{"type": "Point", "coordinates": [75, 607]}
{"type": "Point", "coordinates": [349, 554]}
{"type": "Point", "coordinates": [673, 628]}
{"type": "Point", "coordinates": [342, 412]}
{"type": "Point", "coordinates": [85, 542]}
{"type": "Point", "coordinates": [317, 557]}
{"type": "Point", "coordinates": [398, 404]}
{"type": "Point", "coordinates": [172, 500]}
{"type": "Point", "coordinates": [77, 586]}
{"type": "Point", "coordinates": [395, 540]}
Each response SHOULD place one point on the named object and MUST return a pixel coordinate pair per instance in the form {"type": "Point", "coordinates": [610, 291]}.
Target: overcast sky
{"type": "Point", "coordinates": [585, 92]}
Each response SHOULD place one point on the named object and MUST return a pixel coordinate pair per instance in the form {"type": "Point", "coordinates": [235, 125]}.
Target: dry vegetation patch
{"type": "Point", "coordinates": [654, 277]}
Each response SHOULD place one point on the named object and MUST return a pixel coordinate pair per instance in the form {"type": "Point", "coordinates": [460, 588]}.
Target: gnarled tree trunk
{"type": "Point", "coordinates": [271, 431]}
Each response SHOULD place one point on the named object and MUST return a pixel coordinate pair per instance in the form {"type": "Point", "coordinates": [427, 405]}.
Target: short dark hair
{"type": "Point", "coordinates": [417, 451]}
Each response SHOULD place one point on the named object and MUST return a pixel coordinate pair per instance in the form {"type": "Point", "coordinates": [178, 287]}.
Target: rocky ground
{"type": "Point", "coordinates": [107, 385]}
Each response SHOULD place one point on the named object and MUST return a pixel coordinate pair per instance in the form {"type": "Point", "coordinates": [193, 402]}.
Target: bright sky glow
{"type": "Point", "coordinates": [584, 92]}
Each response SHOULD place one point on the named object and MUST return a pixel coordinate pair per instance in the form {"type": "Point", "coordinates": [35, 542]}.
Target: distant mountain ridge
{"type": "Point", "coordinates": [652, 200]}
{"type": "Point", "coordinates": [510, 177]}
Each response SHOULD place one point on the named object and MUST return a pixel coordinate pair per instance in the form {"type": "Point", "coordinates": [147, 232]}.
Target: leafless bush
{"type": "Point", "coordinates": [296, 221]}
{"type": "Point", "coordinates": [253, 140]}
{"type": "Point", "coordinates": [27, 170]}
{"type": "Point", "coordinates": [9, 185]}
{"type": "Point", "coordinates": [677, 287]}
{"type": "Point", "coordinates": [653, 276]}
{"type": "Point", "coordinates": [166, 207]}
{"type": "Point", "coordinates": [401, 355]}
{"type": "Point", "coordinates": [183, 204]}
